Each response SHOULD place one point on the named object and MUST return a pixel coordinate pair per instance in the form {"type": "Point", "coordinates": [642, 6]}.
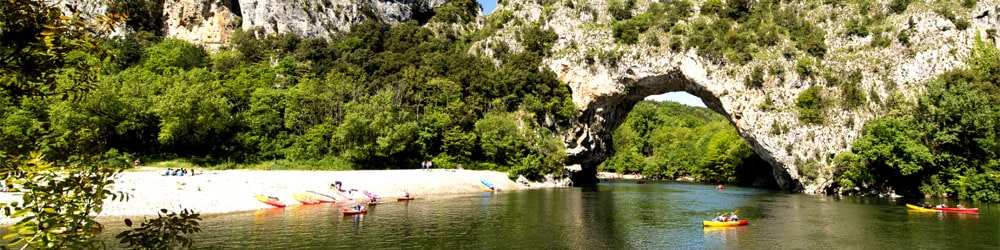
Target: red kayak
{"type": "Point", "coordinates": [958, 210]}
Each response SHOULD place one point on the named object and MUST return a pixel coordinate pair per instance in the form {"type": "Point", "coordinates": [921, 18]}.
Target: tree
{"type": "Point", "coordinates": [40, 47]}
{"type": "Point", "coordinates": [40, 43]}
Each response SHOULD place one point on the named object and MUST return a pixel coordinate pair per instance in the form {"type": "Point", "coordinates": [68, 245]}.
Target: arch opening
{"type": "Point", "coordinates": [674, 136]}
{"type": "Point", "coordinates": [593, 143]}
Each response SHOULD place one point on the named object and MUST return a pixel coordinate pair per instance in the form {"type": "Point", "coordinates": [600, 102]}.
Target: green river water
{"type": "Point", "coordinates": [612, 215]}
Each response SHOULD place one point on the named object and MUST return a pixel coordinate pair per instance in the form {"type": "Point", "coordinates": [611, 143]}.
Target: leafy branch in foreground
{"type": "Point", "coordinates": [167, 231]}
{"type": "Point", "coordinates": [59, 203]}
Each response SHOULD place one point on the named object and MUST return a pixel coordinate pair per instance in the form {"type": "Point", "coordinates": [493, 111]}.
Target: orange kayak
{"type": "Point", "coordinates": [353, 212]}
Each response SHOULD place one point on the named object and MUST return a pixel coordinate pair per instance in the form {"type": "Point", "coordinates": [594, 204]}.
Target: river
{"type": "Point", "coordinates": [612, 215]}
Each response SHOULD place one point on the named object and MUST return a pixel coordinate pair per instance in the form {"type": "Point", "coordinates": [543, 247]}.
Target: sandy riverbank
{"type": "Point", "coordinates": [234, 190]}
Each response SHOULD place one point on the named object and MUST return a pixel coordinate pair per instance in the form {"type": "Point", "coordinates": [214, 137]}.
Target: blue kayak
{"type": "Point", "coordinates": [489, 185]}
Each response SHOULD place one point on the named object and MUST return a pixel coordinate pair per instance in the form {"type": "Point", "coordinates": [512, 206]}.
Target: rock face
{"type": "Point", "coordinates": [319, 18]}
{"type": "Point", "coordinates": [608, 83]}
{"type": "Point", "coordinates": [201, 22]}
{"type": "Point", "coordinates": [211, 22]}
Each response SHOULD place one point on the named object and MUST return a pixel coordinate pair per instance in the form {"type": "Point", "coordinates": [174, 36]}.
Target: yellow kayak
{"type": "Point", "coordinates": [916, 208]}
{"type": "Point", "coordinates": [724, 224]}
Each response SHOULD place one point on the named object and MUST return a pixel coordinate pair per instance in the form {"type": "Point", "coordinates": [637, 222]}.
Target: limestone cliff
{"type": "Point", "coordinates": [211, 22]}
{"type": "Point", "coordinates": [609, 77]}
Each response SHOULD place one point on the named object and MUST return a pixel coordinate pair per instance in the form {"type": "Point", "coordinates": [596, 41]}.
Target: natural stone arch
{"type": "Point", "coordinates": [604, 112]}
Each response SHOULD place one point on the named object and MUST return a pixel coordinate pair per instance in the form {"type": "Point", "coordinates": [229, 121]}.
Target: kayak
{"type": "Point", "coordinates": [916, 208]}
{"type": "Point", "coordinates": [372, 203]}
{"type": "Point", "coordinates": [304, 198]}
{"type": "Point", "coordinates": [958, 210]}
{"type": "Point", "coordinates": [489, 186]}
{"type": "Point", "coordinates": [725, 224]}
{"type": "Point", "coordinates": [405, 198]}
{"type": "Point", "coordinates": [342, 193]}
{"type": "Point", "coordinates": [269, 201]}
{"type": "Point", "coordinates": [353, 212]}
{"type": "Point", "coordinates": [372, 197]}
{"type": "Point", "coordinates": [322, 198]}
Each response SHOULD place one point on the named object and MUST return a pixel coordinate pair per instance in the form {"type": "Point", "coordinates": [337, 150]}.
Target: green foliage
{"type": "Point", "coordinates": [969, 3]}
{"type": "Point", "coordinates": [59, 203]}
{"type": "Point", "coordinates": [851, 93]}
{"type": "Point", "coordinates": [460, 11]}
{"type": "Point", "coordinates": [735, 30]}
{"type": "Point", "coordinates": [899, 6]}
{"type": "Point", "coordinates": [806, 67]}
{"type": "Point", "coordinates": [961, 24]}
{"type": "Point", "coordinates": [945, 144]}
{"type": "Point", "coordinates": [903, 37]}
{"type": "Point", "coordinates": [756, 78]}
{"type": "Point", "coordinates": [169, 230]}
{"type": "Point", "coordinates": [712, 7]}
{"type": "Point", "coordinates": [810, 105]}
{"type": "Point", "coordinates": [538, 40]}
{"type": "Point", "coordinates": [499, 136]}
{"type": "Point", "coordinates": [40, 46]}
{"type": "Point", "coordinates": [670, 140]}
{"type": "Point", "coordinates": [379, 96]}
{"type": "Point", "coordinates": [856, 27]}
{"type": "Point", "coordinates": [174, 54]}
{"type": "Point", "coordinates": [621, 9]}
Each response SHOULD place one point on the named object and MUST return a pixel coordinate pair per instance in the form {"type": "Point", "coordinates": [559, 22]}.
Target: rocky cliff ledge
{"type": "Point", "coordinates": [211, 22]}
{"type": "Point", "coordinates": [608, 76]}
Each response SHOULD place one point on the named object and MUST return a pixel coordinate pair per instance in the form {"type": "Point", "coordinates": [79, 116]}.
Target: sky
{"type": "Point", "coordinates": [681, 97]}
{"type": "Point", "coordinates": [488, 5]}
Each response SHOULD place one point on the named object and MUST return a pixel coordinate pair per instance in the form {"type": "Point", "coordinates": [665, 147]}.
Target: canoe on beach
{"type": "Point", "coordinates": [305, 199]}
{"type": "Point", "coordinates": [268, 200]}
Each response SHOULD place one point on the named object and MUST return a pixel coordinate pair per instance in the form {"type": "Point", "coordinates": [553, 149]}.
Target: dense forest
{"type": "Point", "coordinates": [378, 97]}
{"type": "Point", "coordinates": [669, 140]}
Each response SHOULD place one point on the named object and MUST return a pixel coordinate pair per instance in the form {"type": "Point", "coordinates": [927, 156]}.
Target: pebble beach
{"type": "Point", "coordinates": [228, 191]}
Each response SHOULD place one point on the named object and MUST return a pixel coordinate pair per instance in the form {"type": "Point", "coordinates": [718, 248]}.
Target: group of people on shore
{"type": "Point", "coordinates": [179, 172]}
{"type": "Point", "coordinates": [721, 217]}
{"type": "Point", "coordinates": [426, 165]}
{"type": "Point", "coordinates": [338, 187]}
